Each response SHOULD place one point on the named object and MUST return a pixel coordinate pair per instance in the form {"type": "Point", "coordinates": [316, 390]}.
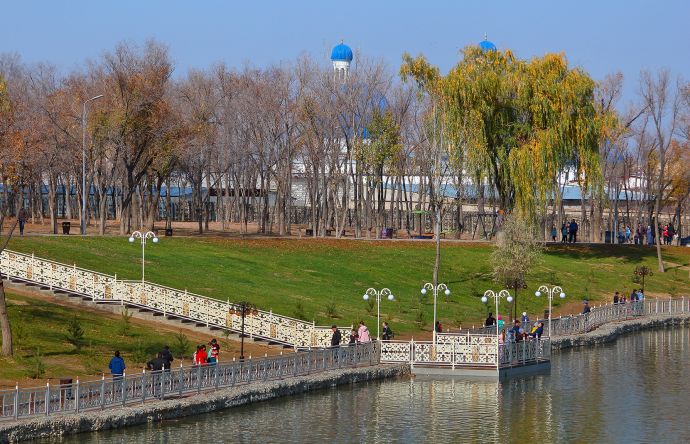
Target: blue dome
{"type": "Point", "coordinates": [486, 45]}
{"type": "Point", "coordinates": [341, 52]}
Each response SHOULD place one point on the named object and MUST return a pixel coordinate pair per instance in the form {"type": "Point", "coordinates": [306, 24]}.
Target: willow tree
{"type": "Point", "coordinates": [522, 124]}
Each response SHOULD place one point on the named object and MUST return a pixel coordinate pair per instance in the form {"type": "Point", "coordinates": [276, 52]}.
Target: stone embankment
{"type": "Point", "coordinates": [610, 332]}
{"type": "Point", "coordinates": [193, 405]}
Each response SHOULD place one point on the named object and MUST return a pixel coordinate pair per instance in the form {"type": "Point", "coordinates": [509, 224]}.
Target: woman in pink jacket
{"type": "Point", "coordinates": [363, 333]}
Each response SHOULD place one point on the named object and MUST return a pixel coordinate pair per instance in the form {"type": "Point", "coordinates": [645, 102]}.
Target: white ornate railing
{"type": "Point", "coordinates": [173, 302]}
{"type": "Point", "coordinates": [466, 350]}
{"type": "Point", "coordinates": [139, 387]}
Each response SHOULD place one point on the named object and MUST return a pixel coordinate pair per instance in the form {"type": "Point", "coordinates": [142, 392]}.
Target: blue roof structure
{"type": "Point", "coordinates": [487, 46]}
{"type": "Point", "coordinates": [341, 52]}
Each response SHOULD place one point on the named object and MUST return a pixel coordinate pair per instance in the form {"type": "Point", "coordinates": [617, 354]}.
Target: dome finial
{"type": "Point", "coordinates": [486, 37]}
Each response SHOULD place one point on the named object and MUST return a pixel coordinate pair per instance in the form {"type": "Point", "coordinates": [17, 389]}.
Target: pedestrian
{"type": "Point", "coordinates": [156, 364]}
{"type": "Point", "coordinates": [387, 332]}
{"type": "Point", "coordinates": [665, 234]}
{"type": "Point", "coordinates": [627, 234]}
{"type": "Point", "coordinates": [640, 295]}
{"type": "Point", "coordinates": [200, 356]}
{"type": "Point", "coordinates": [353, 337]}
{"type": "Point", "coordinates": [616, 298]}
{"type": "Point", "coordinates": [572, 231]}
{"type": "Point", "coordinates": [500, 323]}
{"type": "Point", "coordinates": [117, 365]}
{"type": "Point", "coordinates": [490, 320]}
{"type": "Point", "coordinates": [213, 351]}
{"type": "Point", "coordinates": [586, 308]}
{"type": "Point", "coordinates": [438, 328]}
{"type": "Point", "coordinates": [554, 232]}
{"type": "Point", "coordinates": [515, 331]}
{"type": "Point", "coordinates": [167, 356]}
{"type": "Point", "coordinates": [21, 218]}
{"type": "Point", "coordinates": [363, 333]}
{"type": "Point", "coordinates": [525, 318]}
{"type": "Point", "coordinates": [336, 336]}
{"type": "Point", "coordinates": [650, 235]}
{"type": "Point", "coordinates": [564, 233]}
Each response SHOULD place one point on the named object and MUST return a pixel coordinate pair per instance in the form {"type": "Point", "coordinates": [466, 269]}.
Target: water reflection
{"type": "Point", "coordinates": [630, 391]}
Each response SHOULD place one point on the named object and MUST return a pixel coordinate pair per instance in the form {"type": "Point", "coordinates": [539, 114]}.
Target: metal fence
{"type": "Point", "coordinates": [462, 350]}
{"type": "Point", "coordinates": [177, 382]}
{"type": "Point", "coordinates": [168, 301]}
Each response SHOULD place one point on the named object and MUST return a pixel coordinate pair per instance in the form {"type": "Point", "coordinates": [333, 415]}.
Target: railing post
{"type": "Point", "coordinates": [656, 310]}
{"type": "Point", "coordinates": [76, 397]}
{"type": "Point", "coordinates": [124, 387]}
{"type": "Point", "coordinates": [143, 385]}
{"type": "Point", "coordinates": [163, 382]}
{"type": "Point", "coordinates": [103, 391]}
{"type": "Point", "coordinates": [16, 401]}
{"type": "Point", "coordinates": [198, 378]}
{"type": "Point", "coordinates": [670, 306]}
{"type": "Point", "coordinates": [47, 401]}
{"type": "Point", "coordinates": [181, 379]}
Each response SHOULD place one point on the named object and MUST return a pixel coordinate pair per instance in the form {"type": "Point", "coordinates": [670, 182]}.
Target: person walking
{"type": "Point", "coordinates": [200, 356]}
{"type": "Point", "coordinates": [554, 232]}
{"type": "Point", "coordinates": [336, 336]}
{"type": "Point", "coordinates": [21, 218]}
{"type": "Point", "coordinates": [117, 365]}
{"type": "Point", "coordinates": [490, 320]}
{"type": "Point", "coordinates": [627, 234]}
{"type": "Point", "coordinates": [387, 332]}
{"type": "Point", "coordinates": [572, 231]}
{"type": "Point", "coordinates": [564, 233]}
{"type": "Point", "coordinates": [156, 364]}
{"type": "Point", "coordinates": [500, 323]}
{"type": "Point", "coordinates": [438, 328]}
{"type": "Point", "coordinates": [586, 308]}
{"type": "Point", "coordinates": [363, 333]}
{"type": "Point", "coordinates": [650, 235]}
{"type": "Point", "coordinates": [616, 298]}
{"type": "Point", "coordinates": [353, 337]}
{"type": "Point", "coordinates": [213, 351]}
{"type": "Point", "coordinates": [525, 319]}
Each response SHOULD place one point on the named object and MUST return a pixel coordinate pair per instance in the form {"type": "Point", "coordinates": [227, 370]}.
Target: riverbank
{"type": "Point", "coordinates": [612, 331]}
{"type": "Point", "coordinates": [194, 405]}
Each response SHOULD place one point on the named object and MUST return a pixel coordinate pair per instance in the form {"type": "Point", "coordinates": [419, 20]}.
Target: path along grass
{"type": "Point", "coordinates": [324, 280]}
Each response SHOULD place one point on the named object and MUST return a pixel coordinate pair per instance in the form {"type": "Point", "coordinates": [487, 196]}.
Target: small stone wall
{"type": "Point", "coordinates": [611, 331]}
{"type": "Point", "coordinates": [194, 405]}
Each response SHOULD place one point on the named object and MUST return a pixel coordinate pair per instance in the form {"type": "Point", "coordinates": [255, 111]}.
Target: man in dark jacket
{"type": "Point", "coordinates": [335, 339]}
{"type": "Point", "coordinates": [167, 357]}
{"type": "Point", "coordinates": [156, 364]}
{"type": "Point", "coordinates": [572, 231]}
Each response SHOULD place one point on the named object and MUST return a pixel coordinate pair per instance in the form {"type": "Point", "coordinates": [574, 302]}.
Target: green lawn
{"type": "Point", "coordinates": [324, 280]}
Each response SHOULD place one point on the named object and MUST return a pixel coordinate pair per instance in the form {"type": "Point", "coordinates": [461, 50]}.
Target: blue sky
{"type": "Point", "coordinates": [601, 36]}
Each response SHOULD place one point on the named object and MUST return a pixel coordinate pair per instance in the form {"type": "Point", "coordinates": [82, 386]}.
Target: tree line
{"type": "Point", "coordinates": [380, 146]}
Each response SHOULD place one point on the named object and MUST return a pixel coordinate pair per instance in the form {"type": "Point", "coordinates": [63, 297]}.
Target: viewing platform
{"type": "Point", "coordinates": [472, 355]}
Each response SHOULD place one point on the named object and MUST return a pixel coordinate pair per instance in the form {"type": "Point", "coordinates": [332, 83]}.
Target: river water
{"type": "Point", "coordinates": [632, 391]}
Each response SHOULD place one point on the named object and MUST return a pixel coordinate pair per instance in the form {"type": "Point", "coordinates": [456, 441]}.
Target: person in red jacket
{"type": "Point", "coordinates": [200, 355]}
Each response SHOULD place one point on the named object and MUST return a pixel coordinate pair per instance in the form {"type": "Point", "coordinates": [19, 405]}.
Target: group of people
{"type": "Point", "coordinates": [360, 335]}
{"type": "Point", "coordinates": [646, 235]}
{"type": "Point", "coordinates": [520, 331]}
{"type": "Point", "coordinates": [568, 232]}
{"type": "Point", "coordinates": [637, 295]}
{"type": "Point", "coordinates": [164, 359]}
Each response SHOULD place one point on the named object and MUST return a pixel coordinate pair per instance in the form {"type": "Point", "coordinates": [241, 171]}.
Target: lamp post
{"type": "Point", "coordinates": [643, 271]}
{"type": "Point", "coordinates": [435, 289]}
{"type": "Point", "coordinates": [372, 292]}
{"type": "Point", "coordinates": [550, 292]}
{"type": "Point", "coordinates": [83, 164]}
{"type": "Point", "coordinates": [143, 236]}
{"type": "Point", "coordinates": [243, 309]}
{"type": "Point", "coordinates": [496, 296]}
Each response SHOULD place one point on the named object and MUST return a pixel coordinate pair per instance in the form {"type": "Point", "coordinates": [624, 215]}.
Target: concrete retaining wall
{"type": "Point", "coordinates": [194, 405]}
{"type": "Point", "coordinates": [610, 332]}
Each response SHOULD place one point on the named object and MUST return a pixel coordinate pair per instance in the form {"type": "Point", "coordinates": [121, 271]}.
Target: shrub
{"type": "Point", "coordinates": [331, 310]}
{"type": "Point", "coordinates": [182, 347]}
{"type": "Point", "coordinates": [36, 366]}
{"type": "Point", "coordinates": [140, 355]}
{"type": "Point", "coordinates": [299, 311]}
{"type": "Point", "coordinates": [125, 322]}
{"type": "Point", "coordinates": [75, 333]}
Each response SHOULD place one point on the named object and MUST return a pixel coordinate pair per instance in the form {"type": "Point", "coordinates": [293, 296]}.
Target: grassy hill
{"type": "Point", "coordinates": [324, 280]}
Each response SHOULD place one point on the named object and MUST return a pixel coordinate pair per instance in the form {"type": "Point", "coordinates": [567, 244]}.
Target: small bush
{"type": "Point", "coordinates": [331, 310]}
{"type": "Point", "coordinates": [299, 311]}
{"type": "Point", "coordinates": [140, 355]}
{"type": "Point", "coordinates": [182, 347]}
{"type": "Point", "coordinates": [75, 333]}
{"type": "Point", "coordinates": [125, 322]}
{"type": "Point", "coordinates": [36, 366]}
{"type": "Point", "coordinates": [370, 305]}
{"type": "Point", "coordinates": [419, 319]}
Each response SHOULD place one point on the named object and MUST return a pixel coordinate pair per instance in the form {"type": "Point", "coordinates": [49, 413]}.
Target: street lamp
{"type": "Point", "coordinates": [83, 164]}
{"type": "Point", "coordinates": [550, 292]}
{"type": "Point", "coordinates": [243, 309]}
{"type": "Point", "coordinates": [143, 236]}
{"type": "Point", "coordinates": [371, 292]}
{"type": "Point", "coordinates": [496, 296]}
{"type": "Point", "coordinates": [440, 287]}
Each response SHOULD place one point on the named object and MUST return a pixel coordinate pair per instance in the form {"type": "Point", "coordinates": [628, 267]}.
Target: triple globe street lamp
{"type": "Point", "coordinates": [144, 237]}
{"type": "Point", "coordinates": [435, 289]}
{"type": "Point", "coordinates": [496, 297]}
{"type": "Point", "coordinates": [372, 292]}
{"type": "Point", "coordinates": [550, 293]}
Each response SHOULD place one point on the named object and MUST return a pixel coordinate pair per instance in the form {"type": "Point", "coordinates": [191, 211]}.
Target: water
{"type": "Point", "coordinates": [631, 391]}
